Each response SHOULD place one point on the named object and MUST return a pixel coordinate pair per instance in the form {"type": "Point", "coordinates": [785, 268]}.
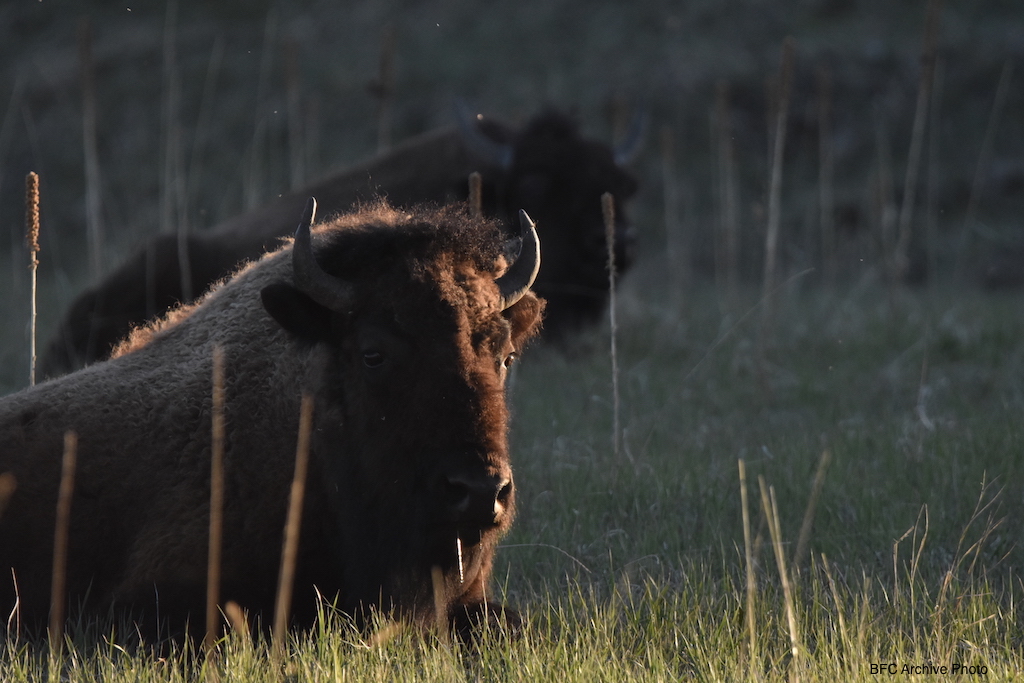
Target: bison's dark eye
{"type": "Point", "coordinates": [509, 360]}
{"type": "Point", "coordinates": [373, 359]}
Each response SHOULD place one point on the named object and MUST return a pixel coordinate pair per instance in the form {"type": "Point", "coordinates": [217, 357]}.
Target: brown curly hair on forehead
{"type": "Point", "coordinates": [378, 232]}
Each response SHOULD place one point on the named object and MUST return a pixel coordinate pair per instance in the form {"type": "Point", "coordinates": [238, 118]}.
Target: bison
{"type": "Point", "coordinates": [546, 168]}
{"type": "Point", "coordinates": [400, 325]}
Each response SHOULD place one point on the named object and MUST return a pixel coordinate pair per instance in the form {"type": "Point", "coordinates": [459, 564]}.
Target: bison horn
{"type": "Point", "coordinates": [519, 277]}
{"type": "Point", "coordinates": [489, 151]}
{"type": "Point", "coordinates": [627, 149]}
{"type": "Point", "coordinates": [313, 280]}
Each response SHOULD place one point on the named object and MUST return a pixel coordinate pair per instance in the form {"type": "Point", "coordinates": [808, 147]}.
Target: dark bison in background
{"type": "Point", "coordinates": [401, 326]}
{"type": "Point", "coordinates": [545, 168]}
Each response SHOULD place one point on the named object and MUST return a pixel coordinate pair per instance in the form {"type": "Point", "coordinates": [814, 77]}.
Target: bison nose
{"type": "Point", "coordinates": [477, 500]}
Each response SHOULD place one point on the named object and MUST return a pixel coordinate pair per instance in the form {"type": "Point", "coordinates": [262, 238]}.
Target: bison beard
{"type": "Point", "coordinates": [400, 325]}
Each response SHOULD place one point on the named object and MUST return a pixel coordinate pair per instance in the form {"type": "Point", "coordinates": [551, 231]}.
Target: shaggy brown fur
{"type": "Point", "coordinates": [555, 174]}
{"type": "Point", "coordinates": [387, 441]}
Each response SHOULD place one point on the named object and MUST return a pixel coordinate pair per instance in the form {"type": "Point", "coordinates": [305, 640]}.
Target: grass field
{"type": "Point", "coordinates": [633, 567]}
{"type": "Point", "coordinates": [900, 547]}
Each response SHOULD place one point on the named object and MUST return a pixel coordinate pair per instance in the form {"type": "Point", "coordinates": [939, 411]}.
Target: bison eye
{"type": "Point", "coordinates": [509, 360]}
{"type": "Point", "coordinates": [373, 359]}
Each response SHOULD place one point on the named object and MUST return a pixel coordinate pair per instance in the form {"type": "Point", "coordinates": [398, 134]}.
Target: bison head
{"type": "Point", "coordinates": [411, 324]}
{"type": "Point", "coordinates": [558, 176]}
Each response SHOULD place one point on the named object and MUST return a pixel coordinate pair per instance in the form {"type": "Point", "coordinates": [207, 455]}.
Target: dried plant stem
{"type": "Point", "coordinates": [93, 196]}
{"type": "Point", "coordinates": [252, 191]}
{"type": "Point", "coordinates": [716, 221]}
{"type": "Point", "coordinates": [748, 554]}
{"type": "Point", "coordinates": [236, 617]}
{"type": "Point", "coordinates": [608, 211]}
{"type": "Point", "coordinates": [805, 528]}
{"type": "Point", "coordinates": [826, 178]}
{"type": "Point", "coordinates": [60, 540]}
{"type": "Point", "coordinates": [983, 158]}
{"type": "Point", "coordinates": [771, 511]}
{"type": "Point", "coordinates": [476, 198]}
{"type": "Point", "coordinates": [199, 140]}
{"type": "Point", "coordinates": [932, 179]}
{"type": "Point", "coordinates": [32, 237]}
{"type": "Point", "coordinates": [8, 484]}
{"type": "Point", "coordinates": [843, 634]}
{"type": "Point", "coordinates": [289, 552]}
{"type": "Point", "coordinates": [296, 149]}
{"type": "Point", "coordinates": [884, 204]}
{"type": "Point", "coordinates": [771, 245]}
{"type": "Point", "coordinates": [440, 604]}
{"type": "Point", "coordinates": [216, 502]}
{"type": "Point", "coordinates": [168, 122]}
{"type": "Point", "coordinates": [173, 190]}
{"type": "Point", "coordinates": [728, 194]}
{"type": "Point", "coordinates": [312, 149]}
{"type": "Point", "coordinates": [677, 258]}
{"type": "Point", "coordinates": [900, 258]}
{"type": "Point", "coordinates": [385, 87]}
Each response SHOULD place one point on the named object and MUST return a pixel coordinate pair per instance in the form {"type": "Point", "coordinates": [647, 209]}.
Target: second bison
{"type": "Point", "coordinates": [546, 168]}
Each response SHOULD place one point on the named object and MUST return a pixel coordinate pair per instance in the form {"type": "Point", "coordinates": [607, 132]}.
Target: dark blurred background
{"type": "Point", "coordinates": [204, 109]}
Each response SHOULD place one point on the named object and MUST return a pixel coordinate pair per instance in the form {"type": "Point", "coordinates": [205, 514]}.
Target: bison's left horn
{"type": "Point", "coordinates": [519, 277]}
{"type": "Point", "coordinates": [322, 288]}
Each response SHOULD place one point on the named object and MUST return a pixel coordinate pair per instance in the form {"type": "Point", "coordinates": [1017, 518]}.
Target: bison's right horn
{"type": "Point", "coordinates": [519, 277]}
{"type": "Point", "coordinates": [489, 151]}
{"type": "Point", "coordinates": [313, 280]}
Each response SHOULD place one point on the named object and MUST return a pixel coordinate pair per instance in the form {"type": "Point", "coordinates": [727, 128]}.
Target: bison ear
{"type": "Point", "coordinates": [298, 314]}
{"type": "Point", "coordinates": [525, 318]}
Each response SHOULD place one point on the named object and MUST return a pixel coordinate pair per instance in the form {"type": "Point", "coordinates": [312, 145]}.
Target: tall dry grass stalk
{"type": "Point", "coordinates": [728, 195]}
{"type": "Point", "coordinates": [174, 189]}
{"type": "Point", "coordinates": [313, 125]}
{"type": "Point", "coordinates": [805, 527]}
{"type": "Point", "coordinates": [292, 529]}
{"type": "Point", "coordinates": [8, 484]}
{"type": "Point", "coordinates": [440, 604]}
{"type": "Point", "coordinates": [932, 178]}
{"type": "Point", "coordinates": [884, 204]}
{"type": "Point", "coordinates": [93, 194]}
{"type": "Point", "coordinates": [293, 96]}
{"type": "Point", "coordinates": [32, 238]}
{"type": "Point", "coordinates": [843, 633]}
{"type": "Point", "coordinates": [915, 559]}
{"type": "Point", "coordinates": [237, 618]}
{"type": "Point", "coordinates": [748, 556]}
{"type": "Point", "coordinates": [608, 211]}
{"type": "Point", "coordinates": [900, 259]}
{"type": "Point", "coordinates": [771, 243]}
{"type": "Point", "coordinates": [476, 196]}
{"type": "Point", "coordinates": [384, 87]}
{"type": "Point", "coordinates": [60, 540]}
{"type": "Point", "coordinates": [216, 502]}
{"type": "Point", "coordinates": [771, 511]}
{"type": "Point", "coordinates": [253, 171]}
{"type": "Point", "coordinates": [826, 178]}
{"type": "Point", "coordinates": [674, 239]}
{"type": "Point", "coordinates": [984, 155]}
{"type": "Point", "coordinates": [203, 118]}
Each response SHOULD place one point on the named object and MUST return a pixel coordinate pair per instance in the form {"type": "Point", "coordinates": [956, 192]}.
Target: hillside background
{"type": "Point", "coordinates": [204, 109]}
